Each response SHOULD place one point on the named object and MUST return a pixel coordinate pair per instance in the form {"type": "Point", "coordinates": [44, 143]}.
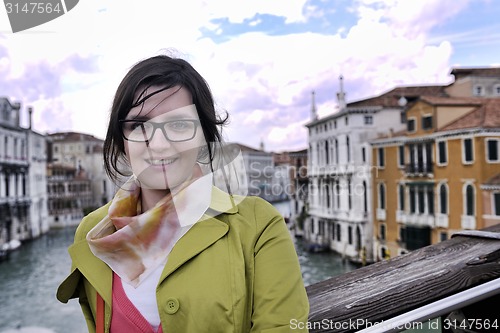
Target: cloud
{"type": "Point", "coordinates": [238, 11]}
{"type": "Point", "coordinates": [407, 17]}
{"type": "Point", "coordinates": [47, 86]}
{"type": "Point", "coordinates": [274, 75]}
{"type": "Point", "coordinates": [69, 69]}
{"type": "Point", "coordinates": [291, 136]}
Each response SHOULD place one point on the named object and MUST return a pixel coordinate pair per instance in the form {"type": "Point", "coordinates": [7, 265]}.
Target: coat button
{"type": "Point", "coordinates": [172, 305]}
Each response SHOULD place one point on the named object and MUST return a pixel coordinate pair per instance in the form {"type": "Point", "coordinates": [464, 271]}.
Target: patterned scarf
{"type": "Point", "coordinates": [134, 244]}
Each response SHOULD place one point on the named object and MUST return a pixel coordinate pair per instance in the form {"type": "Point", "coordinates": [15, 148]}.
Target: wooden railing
{"type": "Point", "coordinates": [373, 294]}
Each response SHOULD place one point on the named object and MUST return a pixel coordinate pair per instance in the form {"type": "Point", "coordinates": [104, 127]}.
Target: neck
{"type": "Point", "coordinates": [149, 198]}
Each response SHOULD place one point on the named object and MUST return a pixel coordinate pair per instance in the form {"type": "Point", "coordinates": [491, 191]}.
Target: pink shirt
{"type": "Point", "coordinates": [125, 316]}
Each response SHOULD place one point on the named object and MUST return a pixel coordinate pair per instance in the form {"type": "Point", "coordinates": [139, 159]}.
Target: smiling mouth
{"type": "Point", "coordinates": [161, 162]}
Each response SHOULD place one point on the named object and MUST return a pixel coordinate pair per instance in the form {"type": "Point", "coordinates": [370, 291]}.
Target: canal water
{"type": "Point", "coordinates": [28, 283]}
{"type": "Point", "coordinates": [29, 279]}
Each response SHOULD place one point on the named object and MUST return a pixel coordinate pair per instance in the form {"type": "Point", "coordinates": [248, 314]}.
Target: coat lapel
{"type": "Point", "coordinates": [95, 271]}
{"type": "Point", "coordinates": [198, 238]}
{"type": "Point", "coordinates": [204, 233]}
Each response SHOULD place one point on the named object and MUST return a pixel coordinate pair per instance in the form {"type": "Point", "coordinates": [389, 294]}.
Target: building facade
{"type": "Point", "coordinates": [83, 152]}
{"type": "Point", "coordinates": [70, 195]}
{"type": "Point", "coordinates": [259, 170]}
{"type": "Point", "coordinates": [76, 168]}
{"type": "Point", "coordinates": [22, 177]}
{"type": "Point", "coordinates": [342, 208]}
{"type": "Point", "coordinates": [37, 160]}
{"type": "Point", "coordinates": [339, 169]}
{"type": "Point", "coordinates": [439, 175]}
{"type": "Point", "coordinates": [294, 185]}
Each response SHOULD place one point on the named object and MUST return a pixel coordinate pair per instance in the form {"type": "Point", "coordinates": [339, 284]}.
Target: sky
{"type": "Point", "coordinates": [261, 58]}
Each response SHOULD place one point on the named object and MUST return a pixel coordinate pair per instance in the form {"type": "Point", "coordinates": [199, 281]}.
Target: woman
{"type": "Point", "coordinates": [171, 252]}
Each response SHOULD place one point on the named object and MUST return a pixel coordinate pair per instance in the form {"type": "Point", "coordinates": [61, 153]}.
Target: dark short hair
{"type": "Point", "coordinates": [166, 72]}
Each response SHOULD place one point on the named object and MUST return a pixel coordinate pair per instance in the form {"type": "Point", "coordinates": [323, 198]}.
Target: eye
{"type": "Point", "coordinates": [132, 125]}
{"type": "Point", "coordinates": [179, 125]}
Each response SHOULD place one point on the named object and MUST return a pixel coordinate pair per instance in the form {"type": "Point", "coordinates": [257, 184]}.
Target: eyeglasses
{"type": "Point", "coordinates": [174, 130]}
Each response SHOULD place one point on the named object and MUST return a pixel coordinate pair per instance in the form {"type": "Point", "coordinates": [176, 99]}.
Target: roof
{"type": "Point", "coordinates": [460, 72]}
{"type": "Point", "coordinates": [247, 148]}
{"type": "Point", "coordinates": [14, 105]}
{"type": "Point", "coordinates": [452, 101]}
{"type": "Point", "coordinates": [492, 184]}
{"type": "Point", "coordinates": [298, 152]}
{"type": "Point", "coordinates": [391, 134]}
{"type": "Point", "coordinates": [73, 136]}
{"type": "Point", "coordinates": [59, 166]}
{"type": "Point", "coordinates": [495, 180]}
{"type": "Point", "coordinates": [390, 98]}
{"type": "Point", "coordinates": [486, 115]}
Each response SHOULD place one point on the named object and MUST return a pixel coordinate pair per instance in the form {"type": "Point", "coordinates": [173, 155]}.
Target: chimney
{"type": "Point", "coordinates": [341, 94]}
{"type": "Point", "coordinates": [314, 114]}
{"type": "Point", "coordinates": [30, 116]}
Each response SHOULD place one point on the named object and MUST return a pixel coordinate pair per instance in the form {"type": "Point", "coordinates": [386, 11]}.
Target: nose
{"type": "Point", "coordinates": [159, 141]}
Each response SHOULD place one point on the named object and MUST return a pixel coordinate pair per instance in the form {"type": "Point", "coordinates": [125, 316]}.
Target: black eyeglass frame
{"type": "Point", "coordinates": [160, 126]}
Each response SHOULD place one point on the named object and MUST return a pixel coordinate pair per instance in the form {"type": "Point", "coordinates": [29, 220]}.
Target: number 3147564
{"type": "Point", "coordinates": [33, 8]}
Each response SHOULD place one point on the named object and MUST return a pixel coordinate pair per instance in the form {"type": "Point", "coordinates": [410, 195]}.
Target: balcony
{"type": "Point", "coordinates": [419, 169]}
{"type": "Point", "coordinates": [424, 220]}
{"type": "Point", "coordinates": [400, 216]}
{"type": "Point", "coordinates": [468, 222]}
{"type": "Point", "coordinates": [442, 221]}
{"type": "Point", "coordinates": [381, 214]}
{"type": "Point", "coordinates": [333, 170]}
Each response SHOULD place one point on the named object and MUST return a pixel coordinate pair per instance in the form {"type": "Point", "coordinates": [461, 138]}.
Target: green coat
{"type": "Point", "coordinates": [235, 272]}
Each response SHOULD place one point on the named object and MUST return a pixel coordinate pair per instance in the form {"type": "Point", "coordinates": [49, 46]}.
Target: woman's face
{"type": "Point", "coordinates": [164, 138]}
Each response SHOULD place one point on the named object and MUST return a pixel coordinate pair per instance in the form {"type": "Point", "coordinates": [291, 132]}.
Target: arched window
{"type": "Point", "coordinates": [401, 197]}
{"type": "Point", "coordinates": [358, 239]}
{"type": "Point", "coordinates": [336, 151]}
{"type": "Point", "coordinates": [443, 199]}
{"type": "Point", "coordinates": [327, 190]}
{"type": "Point", "coordinates": [365, 197]}
{"type": "Point", "coordinates": [469, 200]}
{"type": "Point", "coordinates": [317, 153]}
{"type": "Point", "coordinates": [381, 196]}
{"type": "Point", "coordinates": [337, 190]}
{"type": "Point", "coordinates": [348, 144]}
{"type": "Point", "coordinates": [496, 90]}
{"type": "Point", "coordinates": [478, 90]}
{"type": "Point", "coordinates": [349, 195]}
{"type": "Point", "coordinates": [382, 231]}
{"type": "Point", "coordinates": [327, 152]}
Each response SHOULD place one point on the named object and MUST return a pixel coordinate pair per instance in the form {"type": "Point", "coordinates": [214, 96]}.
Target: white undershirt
{"type": "Point", "coordinates": [189, 212]}
{"type": "Point", "coordinates": [144, 297]}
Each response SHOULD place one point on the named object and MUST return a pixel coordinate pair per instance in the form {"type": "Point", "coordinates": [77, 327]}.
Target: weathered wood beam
{"type": "Point", "coordinates": [385, 289]}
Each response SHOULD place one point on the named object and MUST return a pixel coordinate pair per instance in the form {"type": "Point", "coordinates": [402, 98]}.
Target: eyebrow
{"type": "Point", "coordinates": [173, 118]}
{"type": "Point", "coordinates": [145, 117]}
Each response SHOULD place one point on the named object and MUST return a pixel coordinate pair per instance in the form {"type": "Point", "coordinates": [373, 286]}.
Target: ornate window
{"type": "Point", "coordinates": [443, 199]}
{"type": "Point", "coordinates": [469, 200]}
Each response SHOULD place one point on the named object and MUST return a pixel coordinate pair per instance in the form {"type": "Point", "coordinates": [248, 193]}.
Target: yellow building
{"type": "Point", "coordinates": [441, 175]}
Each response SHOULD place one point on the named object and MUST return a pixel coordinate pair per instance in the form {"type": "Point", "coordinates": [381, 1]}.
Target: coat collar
{"type": "Point", "coordinates": [95, 270]}
{"type": "Point", "coordinates": [222, 202]}
{"type": "Point", "coordinates": [211, 228]}
{"type": "Point", "coordinates": [198, 238]}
